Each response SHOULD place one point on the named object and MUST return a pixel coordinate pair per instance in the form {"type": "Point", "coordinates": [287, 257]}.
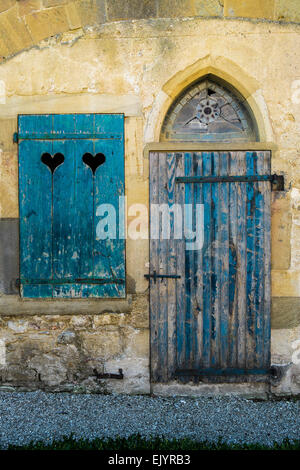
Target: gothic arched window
{"type": "Point", "coordinates": [208, 111]}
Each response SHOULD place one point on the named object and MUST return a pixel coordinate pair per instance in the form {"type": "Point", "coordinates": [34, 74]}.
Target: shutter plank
{"type": "Point", "coordinates": [109, 254]}
{"type": "Point", "coordinates": [35, 197]}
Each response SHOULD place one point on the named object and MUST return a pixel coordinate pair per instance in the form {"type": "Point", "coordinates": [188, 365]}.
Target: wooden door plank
{"type": "Point", "coordinates": [224, 263]}
{"type": "Point", "coordinates": [259, 262]}
{"type": "Point", "coordinates": [154, 242]}
{"type": "Point", "coordinates": [180, 284]}
{"type": "Point", "coordinates": [233, 263]}
{"type": "Point", "coordinates": [171, 268]}
{"type": "Point", "coordinates": [251, 165]}
{"type": "Point", "coordinates": [207, 253]}
{"type": "Point", "coordinates": [267, 264]}
{"type": "Point", "coordinates": [162, 284]}
{"type": "Point", "coordinates": [198, 273]}
{"type": "Point", "coordinates": [215, 262]}
{"type": "Point", "coordinates": [241, 261]}
{"type": "Point", "coordinates": [189, 265]}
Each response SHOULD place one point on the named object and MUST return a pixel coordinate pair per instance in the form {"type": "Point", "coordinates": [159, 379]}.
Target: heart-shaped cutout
{"type": "Point", "coordinates": [93, 161]}
{"type": "Point", "coordinates": [52, 161]}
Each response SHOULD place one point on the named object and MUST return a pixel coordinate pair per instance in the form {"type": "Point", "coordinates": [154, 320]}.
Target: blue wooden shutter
{"type": "Point", "coordinates": [60, 255]}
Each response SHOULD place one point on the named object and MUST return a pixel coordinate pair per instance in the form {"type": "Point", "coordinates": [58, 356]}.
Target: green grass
{"type": "Point", "coordinates": [136, 442]}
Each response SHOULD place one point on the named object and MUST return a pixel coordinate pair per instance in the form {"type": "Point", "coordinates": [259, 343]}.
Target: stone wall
{"type": "Point", "coordinates": [69, 352]}
{"type": "Point", "coordinates": [95, 63]}
{"type": "Point", "coordinates": [23, 23]}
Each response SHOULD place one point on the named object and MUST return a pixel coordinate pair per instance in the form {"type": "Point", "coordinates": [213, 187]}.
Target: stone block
{"type": "Point", "coordinates": [28, 6]}
{"type": "Point", "coordinates": [281, 233]}
{"type": "Point", "coordinates": [287, 10]}
{"type": "Point", "coordinates": [252, 9]}
{"type": "Point", "coordinates": [9, 255]}
{"type": "Point", "coordinates": [47, 23]}
{"type": "Point", "coordinates": [4, 50]}
{"type": "Point", "coordinates": [73, 15]}
{"type": "Point", "coordinates": [285, 283]}
{"type": "Point", "coordinates": [130, 9]}
{"type": "Point", "coordinates": [92, 12]}
{"type": "Point", "coordinates": [208, 7]}
{"type": "Point", "coordinates": [53, 3]}
{"type": "Point", "coordinates": [8, 185]}
{"type": "Point", "coordinates": [102, 345]}
{"type": "Point", "coordinates": [137, 343]}
{"type": "Point", "coordinates": [174, 8]}
{"type": "Point", "coordinates": [6, 4]}
{"type": "Point", "coordinates": [285, 312]}
{"type": "Point", "coordinates": [13, 31]}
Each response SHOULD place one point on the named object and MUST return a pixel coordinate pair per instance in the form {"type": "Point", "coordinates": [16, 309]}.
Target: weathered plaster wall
{"type": "Point", "coordinates": [137, 67]}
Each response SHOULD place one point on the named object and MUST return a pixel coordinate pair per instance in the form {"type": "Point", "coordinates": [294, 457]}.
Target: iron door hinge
{"type": "Point", "coordinates": [156, 276]}
{"type": "Point", "coordinates": [16, 137]}
{"type": "Point", "coordinates": [277, 181]}
{"type": "Point", "coordinates": [118, 376]}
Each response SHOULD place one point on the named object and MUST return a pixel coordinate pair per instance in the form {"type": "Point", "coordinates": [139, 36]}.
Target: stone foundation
{"type": "Point", "coordinates": [68, 352]}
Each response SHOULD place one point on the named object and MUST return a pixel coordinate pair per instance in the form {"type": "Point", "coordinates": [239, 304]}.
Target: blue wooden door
{"type": "Point", "coordinates": [210, 320]}
{"type": "Point", "coordinates": [69, 166]}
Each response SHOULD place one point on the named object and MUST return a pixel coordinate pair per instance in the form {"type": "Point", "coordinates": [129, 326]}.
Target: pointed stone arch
{"type": "Point", "coordinates": [210, 110]}
{"type": "Point", "coordinates": [221, 70]}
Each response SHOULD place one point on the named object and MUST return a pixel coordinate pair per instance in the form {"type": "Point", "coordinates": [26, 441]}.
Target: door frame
{"type": "Point", "coordinates": [199, 147]}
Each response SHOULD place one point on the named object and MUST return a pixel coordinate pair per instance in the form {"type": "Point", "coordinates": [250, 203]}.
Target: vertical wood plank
{"type": "Point", "coordinates": [154, 294]}
{"type": "Point", "coordinates": [233, 262]}
{"type": "Point", "coordinates": [64, 221]}
{"type": "Point", "coordinates": [189, 265]}
{"type": "Point", "coordinates": [224, 263]}
{"type": "Point", "coordinates": [215, 262]}
{"type": "Point", "coordinates": [198, 273]}
{"type": "Point", "coordinates": [267, 263]}
{"type": "Point", "coordinates": [251, 158]}
{"type": "Point", "coordinates": [207, 253]}
{"type": "Point", "coordinates": [171, 268]}
{"type": "Point", "coordinates": [241, 261]}
{"type": "Point", "coordinates": [162, 283]}
{"type": "Point", "coordinates": [259, 262]}
{"type": "Point", "coordinates": [35, 201]}
{"type": "Point", "coordinates": [180, 284]}
{"type": "Point", "coordinates": [109, 254]}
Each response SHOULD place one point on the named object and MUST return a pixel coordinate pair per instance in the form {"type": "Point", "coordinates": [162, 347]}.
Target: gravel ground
{"type": "Point", "coordinates": [33, 416]}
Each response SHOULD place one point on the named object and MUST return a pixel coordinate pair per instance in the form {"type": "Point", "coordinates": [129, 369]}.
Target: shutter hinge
{"type": "Point", "coordinates": [16, 138]}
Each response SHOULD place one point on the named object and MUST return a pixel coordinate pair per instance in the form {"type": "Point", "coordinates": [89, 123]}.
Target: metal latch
{"type": "Point", "coordinates": [156, 276]}
{"type": "Point", "coordinates": [118, 376]}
